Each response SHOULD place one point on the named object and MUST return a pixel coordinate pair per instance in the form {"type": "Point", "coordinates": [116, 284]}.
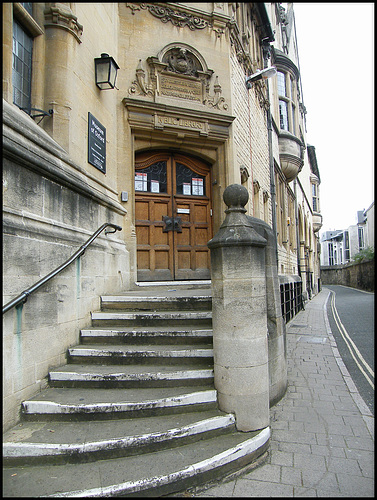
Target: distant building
{"type": "Point", "coordinates": [340, 246]}
{"type": "Point", "coordinates": [369, 226]}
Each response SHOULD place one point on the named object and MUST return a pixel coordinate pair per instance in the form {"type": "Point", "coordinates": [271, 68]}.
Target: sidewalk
{"type": "Point", "coordinates": [322, 440]}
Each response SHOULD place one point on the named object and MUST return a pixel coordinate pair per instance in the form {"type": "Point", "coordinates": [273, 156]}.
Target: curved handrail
{"type": "Point", "coordinates": [22, 298]}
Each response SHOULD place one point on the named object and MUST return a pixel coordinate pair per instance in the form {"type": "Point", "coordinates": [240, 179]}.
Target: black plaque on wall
{"type": "Point", "coordinates": [96, 143]}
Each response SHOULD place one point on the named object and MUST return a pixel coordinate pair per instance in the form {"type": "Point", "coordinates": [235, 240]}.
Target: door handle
{"type": "Point", "coordinates": [177, 224]}
{"type": "Point", "coordinates": [168, 224]}
{"type": "Point", "coordinates": [172, 224]}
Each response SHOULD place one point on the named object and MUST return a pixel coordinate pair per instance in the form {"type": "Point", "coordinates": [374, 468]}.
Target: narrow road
{"type": "Point", "coordinates": [351, 316]}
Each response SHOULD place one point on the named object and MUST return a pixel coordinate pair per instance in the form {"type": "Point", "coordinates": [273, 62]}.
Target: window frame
{"type": "Point", "coordinates": [25, 20]}
{"type": "Point", "coordinates": [331, 253]}
{"type": "Point", "coordinates": [360, 238]}
{"type": "Point", "coordinates": [289, 97]}
{"type": "Point", "coordinates": [315, 197]}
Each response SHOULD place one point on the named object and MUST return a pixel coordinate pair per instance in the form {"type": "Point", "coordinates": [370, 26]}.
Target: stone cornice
{"type": "Point", "coordinates": [30, 146]}
{"type": "Point", "coordinates": [58, 17]}
{"type": "Point", "coordinates": [283, 61]}
{"type": "Point", "coordinates": [144, 115]}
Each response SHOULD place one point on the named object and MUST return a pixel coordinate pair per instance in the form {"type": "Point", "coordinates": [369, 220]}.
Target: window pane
{"type": "Point", "coordinates": [188, 182]}
{"type": "Point", "coordinates": [21, 74]}
{"type": "Point", "coordinates": [283, 110]}
{"type": "Point", "coordinates": [293, 121]}
{"type": "Point", "coordinates": [361, 238]}
{"type": "Point", "coordinates": [28, 6]}
{"type": "Point", "coordinates": [281, 84]}
{"type": "Point", "coordinates": [152, 179]}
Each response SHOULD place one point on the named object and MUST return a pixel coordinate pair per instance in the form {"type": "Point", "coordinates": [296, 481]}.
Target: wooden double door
{"type": "Point", "coordinates": [172, 217]}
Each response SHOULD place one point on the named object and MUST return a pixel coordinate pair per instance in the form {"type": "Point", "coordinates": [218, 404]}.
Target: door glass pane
{"type": "Point", "coordinates": [188, 182]}
{"type": "Point", "coordinates": [152, 179]}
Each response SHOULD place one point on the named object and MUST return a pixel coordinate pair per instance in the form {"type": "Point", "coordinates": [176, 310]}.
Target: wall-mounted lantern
{"type": "Point", "coordinates": [106, 72]}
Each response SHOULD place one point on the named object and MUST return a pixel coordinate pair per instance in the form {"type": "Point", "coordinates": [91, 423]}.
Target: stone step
{"type": "Point", "coordinates": [148, 474]}
{"type": "Point", "coordinates": [118, 420]}
{"type": "Point", "coordinates": [95, 403]}
{"type": "Point", "coordinates": [192, 285]}
{"type": "Point", "coordinates": [152, 335]}
{"type": "Point", "coordinates": [141, 354]}
{"type": "Point", "coordinates": [74, 442]}
{"type": "Point", "coordinates": [154, 303]}
{"type": "Point", "coordinates": [152, 318]}
{"type": "Point", "coordinates": [128, 376]}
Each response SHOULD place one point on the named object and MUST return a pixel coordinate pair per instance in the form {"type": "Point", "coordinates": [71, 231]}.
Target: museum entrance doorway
{"type": "Point", "coordinates": [172, 217]}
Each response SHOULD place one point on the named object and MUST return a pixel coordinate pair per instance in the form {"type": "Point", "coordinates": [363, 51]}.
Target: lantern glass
{"type": "Point", "coordinates": [106, 72]}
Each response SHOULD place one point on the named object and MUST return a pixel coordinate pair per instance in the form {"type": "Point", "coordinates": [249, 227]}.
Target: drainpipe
{"type": "Point", "coordinates": [272, 178]}
{"type": "Point", "coordinates": [297, 229]}
{"type": "Point", "coordinates": [266, 54]}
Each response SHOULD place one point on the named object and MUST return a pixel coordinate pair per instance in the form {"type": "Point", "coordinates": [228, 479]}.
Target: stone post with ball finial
{"type": "Point", "coordinates": [239, 315]}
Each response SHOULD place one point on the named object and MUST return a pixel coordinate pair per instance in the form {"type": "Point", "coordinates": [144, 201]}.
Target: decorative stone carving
{"type": "Point", "coordinates": [182, 18]}
{"type": "Point", "coordinates": [182, 62]}
{"type": "Point", "coordinates": [216, 100]}
{"type": "Point", "coordinates": [245, 174]}
{"type": "Point", "coordinates": [260, 90]}
{"type": "Point", "coordinates": [139, 86]}
{"type": "Point", "coordinates": [178, 71]}
{"type": "Point", "coordinates": [59, 15]}
{"type": "Point", "coordinates": [176, 17]}
{"type": "Point", "coordinates": [242, 56]}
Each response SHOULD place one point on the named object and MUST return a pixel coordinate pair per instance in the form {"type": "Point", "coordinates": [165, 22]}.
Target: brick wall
{"type": "Point", "coordinates": [250, 136]}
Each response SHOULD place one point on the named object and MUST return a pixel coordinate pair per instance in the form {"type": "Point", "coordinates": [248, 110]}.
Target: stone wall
{"type": "Point", "coordinates": [359, 276]}
{"type": "Point", "coordinates": [50, 209]}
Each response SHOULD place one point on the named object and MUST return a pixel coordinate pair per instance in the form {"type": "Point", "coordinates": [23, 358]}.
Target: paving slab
{"type": "Point", "coordinates": [322, 439]}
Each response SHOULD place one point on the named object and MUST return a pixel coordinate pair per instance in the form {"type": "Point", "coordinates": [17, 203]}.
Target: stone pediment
{"type": "Point", "coordinates": [178, 73]}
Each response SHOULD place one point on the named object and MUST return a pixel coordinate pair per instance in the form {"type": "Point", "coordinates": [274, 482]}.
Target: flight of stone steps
{"type": "Point", "coordinates": [134, 411]}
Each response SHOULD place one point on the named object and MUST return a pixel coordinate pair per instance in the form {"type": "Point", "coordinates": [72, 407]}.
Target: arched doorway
{"type": "Point", "coordinates": [172, 217]}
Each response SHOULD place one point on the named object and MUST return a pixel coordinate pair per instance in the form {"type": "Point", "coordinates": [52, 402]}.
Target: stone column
{"type": "Point", "coordinates": [62, 33]}
{"type": "Point", "coordinates": [239, 315]}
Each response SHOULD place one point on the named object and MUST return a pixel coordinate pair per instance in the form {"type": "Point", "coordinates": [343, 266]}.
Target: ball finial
{"type": "Point", "coordinates": [235, 196]}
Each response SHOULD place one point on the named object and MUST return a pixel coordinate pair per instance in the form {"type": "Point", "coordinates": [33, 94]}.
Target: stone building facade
{"type": "Point", "coordinates": [179, 126]}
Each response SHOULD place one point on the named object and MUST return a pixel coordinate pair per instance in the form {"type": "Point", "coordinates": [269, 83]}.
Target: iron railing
{"type": "Point", "coordinates": [291, 299]}
{"type": "Point", "coordinates": [22, 298]}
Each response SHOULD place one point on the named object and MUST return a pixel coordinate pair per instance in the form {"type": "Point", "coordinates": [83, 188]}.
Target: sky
{"type": "Point", "coordinates": [336, 58]}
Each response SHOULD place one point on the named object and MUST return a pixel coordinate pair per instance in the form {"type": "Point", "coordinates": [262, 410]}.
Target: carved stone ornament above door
{"type": "Point", "coordinates": [178, 72]}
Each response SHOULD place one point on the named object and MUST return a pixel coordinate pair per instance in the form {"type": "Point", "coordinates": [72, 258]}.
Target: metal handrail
{"type": "Point", "coordinates": [22, 298]}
